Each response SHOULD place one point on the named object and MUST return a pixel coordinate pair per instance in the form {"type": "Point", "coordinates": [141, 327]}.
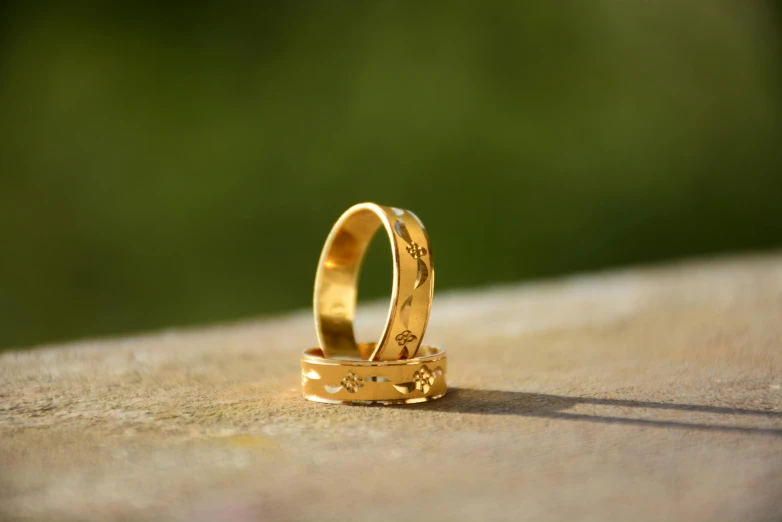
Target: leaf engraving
{"type": "Point", "coordinates": [405, 387]}
{"type": "Point", "coordinates": [401, 231]}
{"type": "Point", "coordinates": [423, 274]}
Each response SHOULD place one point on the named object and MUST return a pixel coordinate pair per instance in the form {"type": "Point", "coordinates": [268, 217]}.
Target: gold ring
{"type": "Point", "coordinates": [337, 280]}
{"type": "Point", "coordinates": [374, 382]}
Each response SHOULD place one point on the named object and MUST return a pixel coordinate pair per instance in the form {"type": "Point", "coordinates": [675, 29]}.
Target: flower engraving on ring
{"type": "Point", "coordinates": [416, 251]}
{"type": "Point", "coordinates": [424, 379]}
{"type": "Point", "coordinates": [405, 337]}
{"type": "Point", "coordinates": [352, 382]}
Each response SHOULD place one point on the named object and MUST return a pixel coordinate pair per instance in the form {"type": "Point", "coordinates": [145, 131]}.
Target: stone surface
{"type": "Point", "coordinates": [647, 394]}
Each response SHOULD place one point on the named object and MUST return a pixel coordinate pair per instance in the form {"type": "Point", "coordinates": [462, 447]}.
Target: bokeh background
{"type": "Point", "coordinates": [164, 165]}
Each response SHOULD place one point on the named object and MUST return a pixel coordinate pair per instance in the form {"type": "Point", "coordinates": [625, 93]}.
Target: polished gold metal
{"type": "Point", "coordinates": [341, 381]}
{"type": "Point", "coordinates": [336, 284]}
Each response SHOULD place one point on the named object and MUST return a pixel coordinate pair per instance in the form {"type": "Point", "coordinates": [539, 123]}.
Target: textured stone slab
{"type": "Point", "coordinates": [651, 394]}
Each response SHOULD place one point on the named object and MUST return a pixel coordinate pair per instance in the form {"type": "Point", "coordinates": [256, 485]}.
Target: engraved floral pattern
{"type": "Point", "coordinates": [405, 337]}
{"type": "Point", "coordinates": [352, 382]}
{"type": "Point", "coordinates": [424, 379]}
{"type": "Point", "coordinates": [416, 251]}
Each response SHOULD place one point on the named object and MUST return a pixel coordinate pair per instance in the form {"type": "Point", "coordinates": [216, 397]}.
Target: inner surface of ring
{"type": "Point", "coordinates": [338, 282]}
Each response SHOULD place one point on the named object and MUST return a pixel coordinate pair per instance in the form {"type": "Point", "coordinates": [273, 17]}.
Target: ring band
{"type": "Point", "coordinates": [336, 284]}
{"type": "Point", "coordinates": [374, 382]}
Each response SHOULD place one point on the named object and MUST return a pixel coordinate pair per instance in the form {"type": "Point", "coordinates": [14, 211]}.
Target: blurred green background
{"type": "Point", "coordinates": [164, 165]}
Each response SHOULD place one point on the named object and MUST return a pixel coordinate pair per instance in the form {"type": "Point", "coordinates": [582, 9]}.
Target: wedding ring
{"type": "Point", "coordinates": [339, 381]}
{"type": "Point", "coordinates": [336, 284]}
{"type": "Point", "coordinates": [397, 369]}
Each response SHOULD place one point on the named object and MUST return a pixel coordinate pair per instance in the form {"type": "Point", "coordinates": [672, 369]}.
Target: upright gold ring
{"type": "Point", "coordinates": [337, 280]}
